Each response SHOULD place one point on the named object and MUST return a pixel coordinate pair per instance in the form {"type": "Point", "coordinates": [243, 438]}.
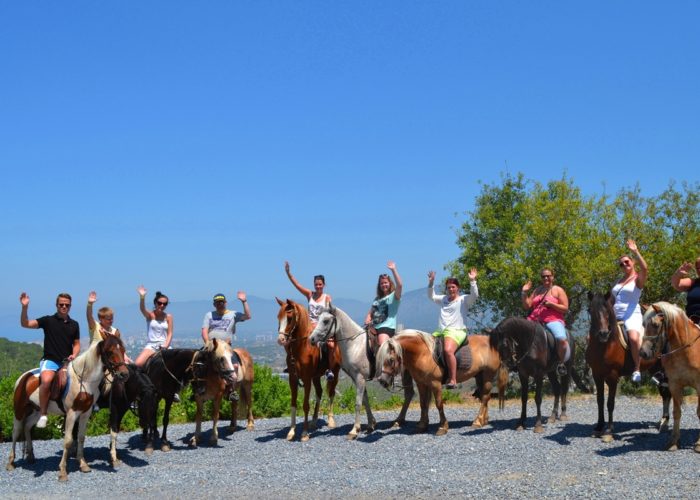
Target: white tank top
{"type": "Point", "coordinates": [315, 307]}
{"type": "Point", "coordinates": [626, 299]}
{"type": "Point", "coordinates": [157, 330]}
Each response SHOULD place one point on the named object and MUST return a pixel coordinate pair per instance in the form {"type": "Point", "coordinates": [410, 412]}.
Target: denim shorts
{"type": "Point", "coordinates": [558, 330]}
{"type": "Point", "coordinates": [48, 365]}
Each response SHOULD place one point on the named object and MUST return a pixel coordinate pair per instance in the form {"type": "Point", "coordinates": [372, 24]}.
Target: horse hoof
{"type": "Point", "coordinates": [352, 437]}
{"type": "Point", "coordinates": [304, 438]}
{"type": "Point", "coordinates": [10, 467]}
{"type": "Point", "coordinates": [62, 476]}
{"type": "Point", "coordinates": [552, 420]}
{"type": "Point", "coordinates": [290, 435]}
{"type": "Point", "coordinates": [597, 434]}
{"type": "Point", "coordinates": [441, 431]}
{"type": "Point", "coordinates": [671, 447]}
{"type": "Point", "coordinates": [607, 438]}
{"type": "Point", "coordinates": [538, 429]}
{"type": "Point", "coordinates": [149, 451]}
{"type": "Point", "coordinates": [85, 468]}
{"type": "Point", "coordinates": [165, 448]}
{"type": "Point", "coordinates": [250, 427]}
{"type": "Point", "coordinates": [420, 429]}
{"type": "Point", "coordinates": [331, 423]}
{"type": "Point", "coordinates": [519, 428]}
{"type": "Point", "coordinates": [564, 417]}
{"type": "Point", "coordinates": [696, 448]}
{"type": "Point", "coordinates": [663, 426]}
{"type": "Point", "coordinates": [116, 463]}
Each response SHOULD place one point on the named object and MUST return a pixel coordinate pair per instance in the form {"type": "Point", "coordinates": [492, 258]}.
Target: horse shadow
{"type": "Point", "coordinates": [98, 458]}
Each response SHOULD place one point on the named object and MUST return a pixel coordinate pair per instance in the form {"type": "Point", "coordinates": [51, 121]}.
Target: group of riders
{"type": "Point", "coordinates": [546, 303]}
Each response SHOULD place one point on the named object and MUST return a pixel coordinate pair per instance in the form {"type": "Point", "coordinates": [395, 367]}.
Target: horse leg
{"type": "Point", "coordinates": [233, 425]}
{"type": "Point", "coordinates": [214, 438]}
{"type": "Point", "coordinates": [600, 399]}
{"type": "Point", "coordinates": [556, 389]}
{"type": "Point", "coordinates": [67, 443]}
{"type": "Point", "coordinates": [82, 430]}
{"type": "Point", "coordinates": [317, 404]}
{"type": "Point", "coordinates": [677, 394]}
{"type": "Point", "coordinates": [16, 431]}
{"type": "Point", "coordinates": [424, 393]}
{"type": "Point", "coordinates": [538, 403]}
{"type": "Point", "coordinates": [115, 418]}
{"type": "Point", "coordinates": [408, 393]}
{"type": "Point", "coordinates": [194, 440]}
{"type": "Point", "coordinates": [482, 417]}
{"type": "Point", "coordinates": [330, 388]}
{"type": "Point", "coordinates": [306, 406]}
{"type": "Point", "coordinates": [293, 387]}
{"type": "Point", "coordinates": [437, 394]}
{"type": "Point", "coordinates": [165, 444]}
{"type": "Point", "coordinates": [612, 391]}
{"type": "Point", "coordinates": [371, 422]}
{"type": "Point", "coordinates": [666, 399]}
{"type": "Point", "coordinates": [523, 402]}
{"type": "Point", "coordinates": [247, 393]}
{"type": "Point", "coordinates": [696, 448]}
{"type": "Point", "coordinates": [565, 382]}
{"type": "Point", "coordinates": [360, 392]}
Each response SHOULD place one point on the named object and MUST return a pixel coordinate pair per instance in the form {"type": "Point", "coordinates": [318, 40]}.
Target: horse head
{"type": "Point", "coordinates": [602, 316]}
{"type": "Point", "coordinates": [656, 320]}
{"type": "Point", "coordinates": [326, 327]}
{"type": "Point", "coordinates": [111, 352]}
{"type": "Point", "coordinates": [291, 318]}
{"type": "Point", "coordinates": [221, 359]}
{"type": "Point", "coordinates": [390, 360]}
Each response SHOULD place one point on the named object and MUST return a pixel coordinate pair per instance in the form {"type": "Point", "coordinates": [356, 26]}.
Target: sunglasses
{"type": "Point", "coordinates": [217, 302]}
{"type": "Point", "coordinates": [625, 263]}
{"type": "Point", "coordinates": [543, 276]}
{"type": "Point", "coordinates": [63, 305]}
{"type": "Point", "coordinates": [164, 304]}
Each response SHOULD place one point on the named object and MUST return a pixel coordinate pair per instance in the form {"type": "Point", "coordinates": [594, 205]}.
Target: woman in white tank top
{"type": "Point", "coordinates": [159, 325]}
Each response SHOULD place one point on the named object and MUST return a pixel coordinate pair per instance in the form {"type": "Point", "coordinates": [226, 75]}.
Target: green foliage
{"type": "Point", "coordinates": [271, 394]}
{"type": "Point", "coordinates": [18, 356]}
{"type": "Point", "coordinates": [520, 226]}
{"type": "Point", "coordinates": [450, 396]}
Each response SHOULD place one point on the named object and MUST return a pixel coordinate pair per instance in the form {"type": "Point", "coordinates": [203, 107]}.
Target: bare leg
{"type": "Point", "coordinates": [450, 348]}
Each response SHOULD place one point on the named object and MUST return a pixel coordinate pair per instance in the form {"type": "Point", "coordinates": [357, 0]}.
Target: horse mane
{"type": "Point", "coordinates": [425, 337]}
{"type": "Point", "coordinates": [87, 361]}
{"type": "Point", "coordinates": [670, 312]}
{"type": "Point", "coordinates": [302, 315]}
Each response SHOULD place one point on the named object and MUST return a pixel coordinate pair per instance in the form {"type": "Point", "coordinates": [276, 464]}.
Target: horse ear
{"type": "Point", "coordinates": [657, 309]}
{"type": "Point", "coordinates": [290, 303]}
{"type": "Point", "coordinates": [331, 307]}
{"type": "Point", "coordinates": [279, 301]}
{"type": "Point", "coordinates": [214, 344]}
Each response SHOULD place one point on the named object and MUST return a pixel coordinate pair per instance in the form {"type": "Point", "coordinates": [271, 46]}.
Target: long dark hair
{"type": "Point", "coordinates": [158, 296]}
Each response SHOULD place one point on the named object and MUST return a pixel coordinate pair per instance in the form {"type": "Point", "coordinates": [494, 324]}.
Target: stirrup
{"type": "Point", "coordinates": [329, 375]}
{"type": "Point", "coordinates": [562, 370]}
{"type": "Point", "coordinates": [233, 396]}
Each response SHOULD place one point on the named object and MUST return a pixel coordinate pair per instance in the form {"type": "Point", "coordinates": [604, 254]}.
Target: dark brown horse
{"type": "Point", "coordinates": [609, 360]}
{"type": "Point", "coordinates": [674, 339]}
{"type": "Point", "coordinates": [412, 353]}
{"type": "Point", "coordinates": [304, 363]}
{"type": "Point", "coordinates": [220, 372]}
{"type": "Point", "coordinates": [524, 346]}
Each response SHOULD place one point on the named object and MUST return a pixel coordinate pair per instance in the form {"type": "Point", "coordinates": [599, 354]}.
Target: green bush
{"type": "Point", "coordinates": [271, 395]}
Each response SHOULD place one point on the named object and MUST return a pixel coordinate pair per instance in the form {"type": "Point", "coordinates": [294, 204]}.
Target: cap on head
{"type": "Point", "coordinates": [219, 297]}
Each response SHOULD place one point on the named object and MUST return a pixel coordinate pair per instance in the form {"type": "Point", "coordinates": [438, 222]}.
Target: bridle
{"type": "Point", "coordinates": [512, 345]}
{"type": "Point", "coordinates": [661, 339]}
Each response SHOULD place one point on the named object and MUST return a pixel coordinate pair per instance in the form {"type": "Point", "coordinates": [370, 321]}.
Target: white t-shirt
{"type": "Point", "coordinates": [451, 312]}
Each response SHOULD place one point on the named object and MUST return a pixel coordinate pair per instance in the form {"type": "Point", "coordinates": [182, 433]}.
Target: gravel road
{"type": "Point", "coordinates": [493, 462]}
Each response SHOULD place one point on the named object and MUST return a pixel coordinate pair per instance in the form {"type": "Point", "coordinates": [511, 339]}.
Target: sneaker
{"type": "Point", "coordinates": [636, 377]}
{"type": "Point", "coordinates": [233, 396]}
{"type": "Point", "coordinates": [42, 422]}
{"type": "Point", "coordinates": [329, 375]}
{"type": "Point", "coordinates": [95, 408]}
{"type": "Point", "coordinates": [176, 398]}
{"type": "Point", "coordinates": [451, 386]}
{"type": "Point", "coordinates": [561, 370]}
{"type": "Point", "coordinates": [659, 378]}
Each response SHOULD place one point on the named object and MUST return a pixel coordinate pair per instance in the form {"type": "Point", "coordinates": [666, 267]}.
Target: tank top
{"type": "Point", "coordinates": [315, 307]}
{"type": "Point", "coordinates": [157, 330]}
{"type": "Point", "coordinates": [543, 313]}
{"type": "Point", "coordinates": [692, 306]}
{"type": "Point", "coordinates": [626, 299]}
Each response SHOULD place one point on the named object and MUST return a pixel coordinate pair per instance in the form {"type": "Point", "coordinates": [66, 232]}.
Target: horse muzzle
{"type": "Point", "coordinates": [603, 336]}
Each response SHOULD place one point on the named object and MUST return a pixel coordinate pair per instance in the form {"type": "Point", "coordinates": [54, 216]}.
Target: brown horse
{"type": "Point", "coordinates": [609, 360]}
{"type": "Point", "coordinates": [524, 346]}
{"type": "Point", "coordinates": [674, 339]}
{"type": "Point", "coordinates": [304, 363]}
{"type": "Point", "coordinates": [218, 372]}
{"type": "Point", "coordinates": [413, 351]}
{"type": "Point", "coordinates": [75, 400]}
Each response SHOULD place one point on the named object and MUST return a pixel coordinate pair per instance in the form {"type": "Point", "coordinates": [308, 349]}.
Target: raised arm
{"type": "Point", "coordinates": [473, 288]}
{"type": "Point", "coordinates": [246, 308]}
{"type": "Point", "coordinates": [431, 283]}
{"type": "Point", "coordinates": [304, 291]}
{"type": "Point", "coordinates": [643, 269]}
{"type": "Point", "coordinates": [399, 284]}
{"type": "Point", "coordinates": [92, 297]}
{"type": "Point", "coordinates": [525, 296]}
{"type": "Point", "coordinates": [680, 279]}
{"type": "Point", "coordinates": [142, 303]}
{"type": "Point", "coordinates": [23, 317]}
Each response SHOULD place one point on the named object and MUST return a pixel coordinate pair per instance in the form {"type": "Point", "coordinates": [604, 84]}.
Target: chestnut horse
{"type": "Point", "coordinates": [674, 339]}
{"type": "Point", "coordinates": [76, 399]}
{"type": "Point", "coordinates": [524, 345]}
{"type": "Point", "coordinates": [304, 363]}
{"type": "Point", "coordinates": [220, 373]}
{"type": "Point", "coordinates": [609, 360]}
{"type": "Point", "coordinates": [414, 351]}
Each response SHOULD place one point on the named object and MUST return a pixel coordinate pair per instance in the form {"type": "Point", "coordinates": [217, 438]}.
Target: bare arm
{"type": "Point", "coordinates": [643, 269]}
{"type": "Point", "coordinates": [525, 296]}
{"type": "Point", "coordinates": [205, 334]}
{"type": "Point", "coordinates": [76, 350]}
{"type": "Point", "coordinates": [142, 304]}
{"type": "Point", "coordinates": [244, 300]}
{"type": "Point", "coordinates": [563, 305]}
{"type": "Point", "coordinates": [680, 279]}
{"type": "Point", "coordinates": [399, 284]}
{"type": "Point", "coordinates": [23, 317]}
{"type": "Point", "coordinates": [169, 337]}
{"type": "Point", "coordinates": [304, 291]}
{"type": "Point", "coordinates": [90, 318]}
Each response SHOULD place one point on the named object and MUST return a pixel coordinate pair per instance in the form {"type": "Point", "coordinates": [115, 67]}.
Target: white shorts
{"type": "Point", "coordinates": [635, 322]}
{"type": "Point", "coordinates": [155, 346]}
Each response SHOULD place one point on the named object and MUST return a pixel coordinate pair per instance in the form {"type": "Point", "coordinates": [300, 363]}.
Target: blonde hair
{"type": "Point", "coordinates": [105, 311]}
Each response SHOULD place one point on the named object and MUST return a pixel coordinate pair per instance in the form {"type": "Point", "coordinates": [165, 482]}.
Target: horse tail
{"type": "Point", "coordinates": [502, 380]}
{"type": "Point", "coordinates": [579, 383]}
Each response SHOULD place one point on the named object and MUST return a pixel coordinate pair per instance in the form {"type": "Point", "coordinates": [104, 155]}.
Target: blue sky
{"type": "Point", "coordinates": [194, 146]}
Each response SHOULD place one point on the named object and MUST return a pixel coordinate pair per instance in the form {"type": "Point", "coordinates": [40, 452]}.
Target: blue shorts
{"type": "Point", "coordinates": [558, 330]}
{"type": "Point", "coordinates": [48, 365]}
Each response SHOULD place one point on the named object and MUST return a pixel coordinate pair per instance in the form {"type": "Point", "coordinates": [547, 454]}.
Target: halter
{"type": "Point", "coordinates": [664, 335]}
{"type": "Point", "coordinates": [516, 362]}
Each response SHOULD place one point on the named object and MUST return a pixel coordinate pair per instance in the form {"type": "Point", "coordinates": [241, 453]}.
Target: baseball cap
{"type": "Point", "coordinates": [219, 297]}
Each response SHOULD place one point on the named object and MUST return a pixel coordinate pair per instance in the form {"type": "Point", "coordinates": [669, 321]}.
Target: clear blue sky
{"type": "Point", "coordinates": [194, 146]}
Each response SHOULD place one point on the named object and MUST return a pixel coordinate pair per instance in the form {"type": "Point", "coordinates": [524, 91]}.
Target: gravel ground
{"type": "Point", "coordinates": [493, 462]}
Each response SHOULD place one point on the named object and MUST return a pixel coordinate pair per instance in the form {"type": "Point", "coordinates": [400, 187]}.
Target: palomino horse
{"type": "Point", "coordinates": [170, 370]}
{"type": "Point", "coordinates": [118, 396]}
{"type": "Point", "coordinates": [222, 370]}
{"type": "Point", "coordinates": [352, 341]}
{"type": "Point", "coordinates": [672, 337]}
{"type": "Point", "coordinates": [414, 351]}
{"type": "Point", "coordinates": [524, 345]}
{"type": "Point", "coordinates": [84, 375]}
{"type": "Point", "coordinates": [609, 360]}
{"type": "Point", "coordinates": [304, 363]}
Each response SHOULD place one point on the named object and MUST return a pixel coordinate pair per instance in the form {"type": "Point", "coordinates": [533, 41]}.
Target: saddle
{"type": "Point", "coordinates": [371, 352]}
{"type": "Point", "coordinates": [463, 354]}
{"type": "Point", "coordinates": [59, 383]}
{"type": "Point", "coordinates": [622, 336]}
{"type": "Point", "coordinates": [552, 353]}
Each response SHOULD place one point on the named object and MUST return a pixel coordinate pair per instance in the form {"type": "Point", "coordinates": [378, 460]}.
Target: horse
{"type": "Point", "coordinates": [351, 338]}
{"type": "Point", "coordinates": [76, 399]}
{"type": "Point", "coordinates": [609, 360]}
{"type": "Point", "coordinates": [219, 371]}
{"type": "Point", "coordinates": [170, 370]}
{"type": "Point", "coordinates": [674, 338]}
{"type": "Point", "coordinates": [524, 345]}
{"type": "Point", "coordinates": [414, 351]}
{"type": "Point", "coordinates": [118, 397]}
{"type": "Point", "coordinates": [304, 363]}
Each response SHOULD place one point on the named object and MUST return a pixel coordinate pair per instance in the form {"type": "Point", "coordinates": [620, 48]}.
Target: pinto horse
{"type": "Point", "coordinates": [118, 396]}
{"type": "Point", "coordinates": [219, 371]}
{"type": "Point", "coordinates": [170, 370]}
{"type": "Point", "coordinates": [414, 351]}
{"type": "Point", "coordinates": [524, 345]}
{"type": "Point", "coordinates": [76, 399]}
{"type": "Point", "coordinates": [351, 339]}
{"type": "Point", "coordinates": [609, 360]}
{"type": "Point", "coordinates": [304, 363]}
{"type": "Point", "coordinates": [674, 339]}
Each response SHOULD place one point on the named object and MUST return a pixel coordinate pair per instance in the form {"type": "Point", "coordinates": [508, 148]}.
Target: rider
{"type": "Point", "coordinates": [451, 323]}
{"type": "Point", "coordinates": [61, 342]}
{"type": "Point", "coordinates": [382, 313]}
{"type": "Point", "coordinates": [627, 291]}
{"type": "Point", "coordinates": [682, 282]}
{"type": "Point", "coordinates": [548, 304]}
{"type": "Point", "coordinates": [318, 300]}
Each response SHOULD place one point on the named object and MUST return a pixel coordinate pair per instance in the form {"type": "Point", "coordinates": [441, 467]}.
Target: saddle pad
{"type": "Point", "coordinates": [622, 335]}
{"type": "Point", "coordinates": [463, 356]}
{"type": "Point", "coordinates": [59, 383]}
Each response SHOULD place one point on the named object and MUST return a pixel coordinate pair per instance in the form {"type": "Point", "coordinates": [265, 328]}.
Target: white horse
{"type": "Point", "coordinates": [84, 375]}
{"type": "Point", "coordinates": [352, 340]}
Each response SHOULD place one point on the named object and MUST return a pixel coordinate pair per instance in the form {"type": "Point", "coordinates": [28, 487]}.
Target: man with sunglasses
{"type": "Point", "coordinates": [61, 343]}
